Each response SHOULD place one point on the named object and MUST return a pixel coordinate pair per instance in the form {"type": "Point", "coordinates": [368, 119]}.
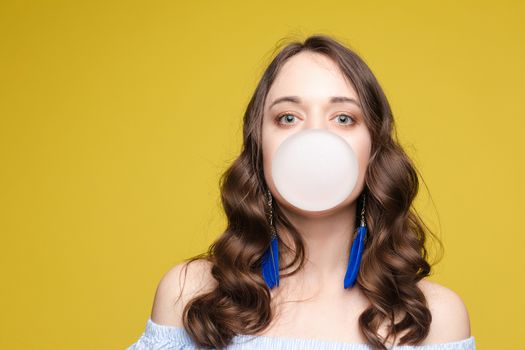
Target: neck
{"type": "Point", "coordinates": [327, 238]}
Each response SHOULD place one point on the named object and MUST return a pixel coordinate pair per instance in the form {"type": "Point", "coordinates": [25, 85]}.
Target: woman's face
{"type": "Point", "coordinates": [301, 98]}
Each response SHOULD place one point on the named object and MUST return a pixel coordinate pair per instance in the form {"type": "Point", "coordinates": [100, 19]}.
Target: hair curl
{"type": "Point", "coordinates": [394, 258]}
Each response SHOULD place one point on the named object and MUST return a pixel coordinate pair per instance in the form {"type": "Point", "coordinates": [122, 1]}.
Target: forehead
{"type": "Point", "coordinates": [312, 76]}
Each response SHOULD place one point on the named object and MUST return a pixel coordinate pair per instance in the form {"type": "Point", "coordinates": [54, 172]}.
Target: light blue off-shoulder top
{"type": "Point", "coordinates": [157, 337]}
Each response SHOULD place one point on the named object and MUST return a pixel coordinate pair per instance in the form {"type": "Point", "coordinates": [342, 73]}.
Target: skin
{"type": "Point", "coordinates": [329, 231]}
{"type": "Point", "coordinates": [327, 310]}
{"type": "Point", "coordinates": [327, 234]}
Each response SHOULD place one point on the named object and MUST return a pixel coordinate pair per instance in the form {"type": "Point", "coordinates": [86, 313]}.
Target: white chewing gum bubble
{"type": "Point", "coordinates": [315, 169]}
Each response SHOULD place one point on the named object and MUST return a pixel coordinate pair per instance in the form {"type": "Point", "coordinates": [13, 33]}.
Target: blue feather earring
{"type": "Point", "coordinates": [356, 251]}
{"type": "Point", "coordinates": [270, 260]}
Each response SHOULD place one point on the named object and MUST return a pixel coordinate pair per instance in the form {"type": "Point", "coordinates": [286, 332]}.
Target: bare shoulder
{"type": "Point", "coordinates": [450, 318]}
{"type": "Point", "coordinates": [177, 286]}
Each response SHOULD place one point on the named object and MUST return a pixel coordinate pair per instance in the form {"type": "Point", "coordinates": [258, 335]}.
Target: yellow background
{"type": "Point", "coordinates": [117, 119]}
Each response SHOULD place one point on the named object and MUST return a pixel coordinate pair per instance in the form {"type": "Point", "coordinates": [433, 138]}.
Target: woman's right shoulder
{"type": "Point", "coordinates": [178, 285]}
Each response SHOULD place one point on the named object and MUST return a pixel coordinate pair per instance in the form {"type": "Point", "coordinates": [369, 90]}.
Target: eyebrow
{"type": "Point", "coordinates": [296, 99]}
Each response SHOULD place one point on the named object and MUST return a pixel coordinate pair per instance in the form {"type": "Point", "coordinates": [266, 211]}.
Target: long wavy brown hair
{"type": "Point", "coordinates": [394, 257]}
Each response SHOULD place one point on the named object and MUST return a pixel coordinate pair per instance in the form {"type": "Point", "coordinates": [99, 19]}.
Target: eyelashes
{"type": "Point", "coordinates": [277, 120]}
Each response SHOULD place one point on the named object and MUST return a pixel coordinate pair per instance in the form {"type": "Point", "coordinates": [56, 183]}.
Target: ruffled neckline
{"type": "Point", "coordinates": [180, 335]}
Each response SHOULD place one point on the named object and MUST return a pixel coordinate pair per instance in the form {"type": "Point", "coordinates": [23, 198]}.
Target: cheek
{"type": "Point", "coordinates": [362, 147]}
{"type": "Point", "coordinates": [364, 154]}
{"type": "Point", "coordinates": [271, 140]}
{"type": "Point", "coordinates": [269, 146]}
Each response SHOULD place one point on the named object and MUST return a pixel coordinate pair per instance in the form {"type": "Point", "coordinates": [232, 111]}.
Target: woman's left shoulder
{"type": "Point", "coordinates": [450, 317]}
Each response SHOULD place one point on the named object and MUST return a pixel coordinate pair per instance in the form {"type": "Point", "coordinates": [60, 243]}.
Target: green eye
{"type": "Point", "coordinates": [349, 120]}
{"type": "Point", "coordinates": [288, 118]}
{"type": "Point", "coordinates": [285, 116]}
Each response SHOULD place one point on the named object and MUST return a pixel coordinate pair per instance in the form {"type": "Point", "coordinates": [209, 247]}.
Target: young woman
{"type": "Point", "coordinates": [336, 265]}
